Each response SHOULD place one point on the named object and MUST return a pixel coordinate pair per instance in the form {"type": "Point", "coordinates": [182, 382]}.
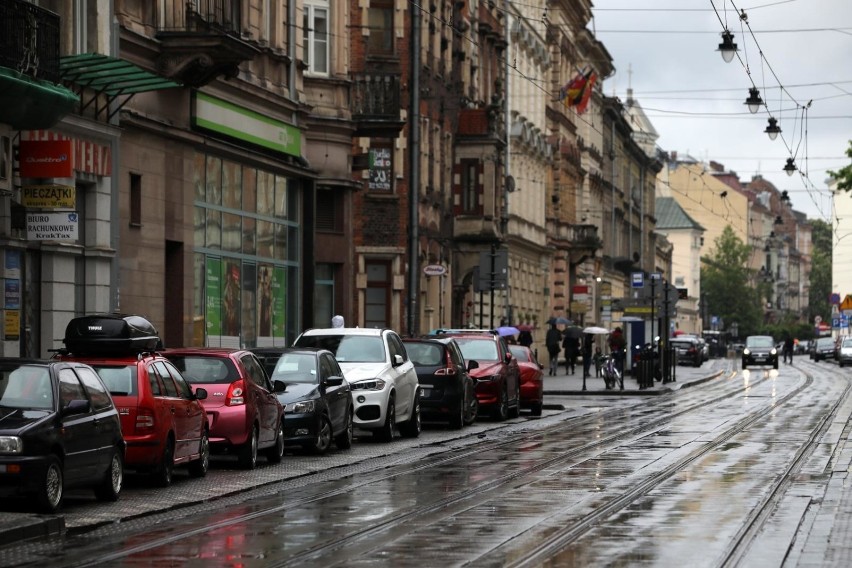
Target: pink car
{"type": "Point", "coordinates": [243, 411]}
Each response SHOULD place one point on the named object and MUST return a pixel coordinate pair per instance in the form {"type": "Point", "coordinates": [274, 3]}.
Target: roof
{"type": "Point", "coordinates": [374, 331]}
{"type": "Point", "coordinates": [670, 215]}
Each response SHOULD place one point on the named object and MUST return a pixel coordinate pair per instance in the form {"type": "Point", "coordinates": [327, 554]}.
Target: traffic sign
{"type": "Point", "coordinates": [846, 304]}
{"type": "Point", "coordinates": [637, 279]}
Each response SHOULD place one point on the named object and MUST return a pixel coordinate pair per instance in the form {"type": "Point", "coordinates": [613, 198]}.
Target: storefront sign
{"type": "Point", "coordinates": [12, 325]}
{"type": "Point", "coordinates": [52, 226]}
{"type": "Point", "coordinates": [87, 157]}
{"type": "Point", "coordinates": [12, 294]}
{"type": "Point", "coordinates": [434, 270]}
{"type": "Point", "coordinates": [49, 196]}
{"type": "Point", "coordinates": [46, 159]}
{"type": "Point", "coordinates": [241, 123]}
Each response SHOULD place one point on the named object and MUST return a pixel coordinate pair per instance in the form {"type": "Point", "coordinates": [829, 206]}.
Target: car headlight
{"type": "Point", "coordinates": [746, 351]}
{"type": "Point", "coordinates": [300, 407]}
{"type": "Point", "coordinates": [11, 445]}
{"type": "Point", "coordinates": [773, 352]}
{"type": "Point", "coordinates": [372, 384]}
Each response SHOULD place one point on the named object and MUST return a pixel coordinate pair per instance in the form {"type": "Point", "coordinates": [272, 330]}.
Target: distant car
{"type": "Point", "coordinates": [447, 391]}
{"type": "Point", "coordinates": [498, 377]}
{"type": "Point", "coordinates": [824, 349]}
{"type": "Point", "coordinates": [162, 420]}
{"type": "Point", "coordinates": [383, 379]}
{"type": "Point", "coordinates": [59, 429]}
{"type": "Point", "coordinates": [244, 415]}
{"type": "Point", "coordinates": [318, 407]}
{"type": "Point", "coordinates": [532, 386]}
{"type": "Point", "coordinates": [687, 350]}
{"type": "Point", "coordinates": [844, 355]}
{"type": "Point", "coordinates": [760, 350]}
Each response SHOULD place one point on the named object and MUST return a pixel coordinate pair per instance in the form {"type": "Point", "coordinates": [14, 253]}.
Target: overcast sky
{"type": "Point", "coordinates": [696, 101]}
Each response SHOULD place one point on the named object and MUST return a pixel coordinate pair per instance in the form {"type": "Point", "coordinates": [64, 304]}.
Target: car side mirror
{"type": "Point", "coordinates": [334, 381]}
{"type": "Point", "coordinates": [398, 360]}
{"type": "Point", "coordinates": [471, 365]}
{"type": "Point", "coordinates": [279, 386]}
{"type": "Point", "coordinates": [76, 406]}
{"type": "Point", "coordinates": [200, 393]}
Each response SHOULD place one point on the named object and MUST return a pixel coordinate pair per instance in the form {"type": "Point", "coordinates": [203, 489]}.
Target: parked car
{"type": "Point", "coordinates": [760, 350]}
{"type": "Point", "coordinates": [844, 355]}
{"type": "Point", "coordinates": [498, 377]}
{"type": "Point", "coordinates": [318, 407]}
{"type": "Point", "coordinates": [383, 380]}
{"type": "Point", "coordinates": [824, 349]}
{"type": "Point", "coordinates": [243, 412]}
{"type": "Point", "coordinates": [687, 349]}
{"type": "Point", "coordinates": [162, 419]}
{"type": "Point", "coordinates": [532, 385]}
{"type": "Point", "coordinates": [447, 391]}
{"type": "Point", "coordinates": [59, 429]}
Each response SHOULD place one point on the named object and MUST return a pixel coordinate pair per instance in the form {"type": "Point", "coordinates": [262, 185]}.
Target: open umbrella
{"type": "Point", "coordinates": [595, 330]}
{"type": "Point", "coordinates": [573, 331]}
{"type": "Point", "coordinates": [524, 327]}
{"type": "Point", "coordinates": [508, 330]}
{"type": "Point", "coordinates": [560, 321]}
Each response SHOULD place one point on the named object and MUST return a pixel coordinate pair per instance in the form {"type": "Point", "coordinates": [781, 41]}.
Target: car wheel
{"type": "Point", "coordinates": [535, 409]}
{"type": "Point", "coordinates": [515, 411]}
{"type": "Point", "coordinates": [413, 426]}
{"type": "Point", "coordinates": [276, 453]}
{"type": "Point", "coordinates": [472, 411]}
{"type": "Point", "coordinates": [323, 440]}
{"type": "Point", "coordinates": [49, 496]}
{"type": "Point", "coordinates": [110, 486]}
{"type": "Point", "coordinates": [199, 467]}
{"type": "Point", "coordinates": [457, 418]}
{"type": "Point", "coordinates": [502, 411]}
{"type": "Point", "coordinates": [343, 441]}
{"type": "Point", "coordinates": [162, 476]}
{"type": "Point", "coordinates": [385, 433]}
{"type": "Point", "coordinates": [247, 456]}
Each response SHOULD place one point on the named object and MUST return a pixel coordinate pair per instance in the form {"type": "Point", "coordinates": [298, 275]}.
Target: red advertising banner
{"type": "Point", "coordinates": [46, 159]}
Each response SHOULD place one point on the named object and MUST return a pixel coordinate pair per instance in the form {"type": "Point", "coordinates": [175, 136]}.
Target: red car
{"type": "Point", "coordinates": [162, 419]}
{"type": "Point", "coordinates": [498, 385]}
{"type": "Point", "coordinates": [243, 411]}
{"type": "Point", "coordinates": [532, 386]}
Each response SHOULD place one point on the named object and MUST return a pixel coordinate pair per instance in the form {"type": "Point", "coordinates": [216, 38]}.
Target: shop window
{"type": "Point", "coordinates": [135, 200]}
{"type": "Point", "coordinates": [377, 300]}
{"type": "Point", "coordinates": [381, 166]}
{"type": "Point", "coordinates": [316, 36]}
{"type": "Point", "coordinates": [380, 23]}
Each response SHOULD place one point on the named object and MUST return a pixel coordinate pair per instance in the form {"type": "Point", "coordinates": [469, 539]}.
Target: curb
{"type": "Point", "coordinates": [17, 527]}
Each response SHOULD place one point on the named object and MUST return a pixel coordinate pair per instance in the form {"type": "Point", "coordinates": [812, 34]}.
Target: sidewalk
{"type": "Point", "coordinates": [565, 384]}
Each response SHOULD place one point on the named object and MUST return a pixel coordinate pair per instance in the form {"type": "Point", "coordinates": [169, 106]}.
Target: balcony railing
{"type": "Point", "coordinates": [375, 97]}
{"type": "Point", "coordinates": [29, 40]}
{"type": "Point", "coordinates": [224, 16]}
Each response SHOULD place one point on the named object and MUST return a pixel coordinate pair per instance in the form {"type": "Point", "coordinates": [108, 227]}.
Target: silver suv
{"type": "Point", "coordinates": [383, 380]}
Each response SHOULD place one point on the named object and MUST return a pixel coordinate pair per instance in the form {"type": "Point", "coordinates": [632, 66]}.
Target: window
{"type": "Point", "coordinates": [329, 210]}
{"type": "Point", "coordinates": [135, 200]}
{"type": "Point", "coordinates": [380, 24]}
{"type": "Point", "coordinates": [168, 384]}
{"type": "Point", "coordinates": [324, 293]}
{"type": "Point", "coordinates": [470, 188]}
{"type": "Point", "coordinates": [316, 36]}
{"type": "Point", "coordinates": [255, 371]}
{"type": "Point", "coordinates": [70, 387]}
{"type": "Point", "coordinates": [377, 294]}
{"type": "Point", "coordinates": [183, 387]}
{"type": "Point", "coordinates": [98, 394]}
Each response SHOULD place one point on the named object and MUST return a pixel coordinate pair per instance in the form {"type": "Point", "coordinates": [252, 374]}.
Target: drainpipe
{"type": "Point", "coordinates": [115, 149]}
{"type": "Point", "coordinates": [414, 180]}
{"type": "Point", "coordinates": [612, 187]}
{"type": "Point", "coordinates": [642, 217]}
{"type": "Point", "coordinates": [504, 221]}
{"type": "Point", "coordinates": [291, 48]}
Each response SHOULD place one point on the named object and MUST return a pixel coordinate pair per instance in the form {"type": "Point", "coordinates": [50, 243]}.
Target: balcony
{"type": "Point", "coordinates": [375, 103]}
{"type": "Point", "coordinates": [29, 42]}
{"type": "Point", "coordinates": [201, 40]}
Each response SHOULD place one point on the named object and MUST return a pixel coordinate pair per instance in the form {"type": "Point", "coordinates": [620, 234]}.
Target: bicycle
{"type": "Point", "coordinates": [610, 373]}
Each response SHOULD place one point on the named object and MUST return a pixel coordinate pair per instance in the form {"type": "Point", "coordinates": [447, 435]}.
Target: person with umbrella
{"type": "Point", "coordinates": [553, 340]}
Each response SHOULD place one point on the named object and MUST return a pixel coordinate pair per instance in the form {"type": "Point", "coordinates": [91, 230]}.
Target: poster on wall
{"type": "Point", "coordinates": [12, 294]}
{"type": "Point", "coordinates": [279, 296]}
{"type": "Point", "coordinates": [231, 299]}
{"type": "Point", "coordinates": [264, 304]}
{"type": "Point", "coordinates": [12, 325]}
{"type": "Point", "coordinates": [380, 169]}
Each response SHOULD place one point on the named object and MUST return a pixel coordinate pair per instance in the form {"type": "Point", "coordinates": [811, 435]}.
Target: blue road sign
{"type": "Point", "coordinates": [637, 279]}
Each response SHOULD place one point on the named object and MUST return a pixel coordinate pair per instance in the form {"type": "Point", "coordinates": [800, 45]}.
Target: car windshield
{"type": "Point", "coordinates": [519, 353]}
{"type": "Point", "coordinates": [824, 342]}
{"type": "Point", "coordinates": [348, 348]}
{"type": "Point", "coordinates": [26, 386]}
{"type": "Point", "coordinates": [760, 341]}
{"type": "Point", "coordinates": [424, 354]}
{"type": "Point", "coordinates": [295, 368]}
{"type": "Point", "coordinates": [478, 349]}
{"type": "Point", "coordinates": [847, 342]}
{"type": "Point", "coordinates": [119, 379]}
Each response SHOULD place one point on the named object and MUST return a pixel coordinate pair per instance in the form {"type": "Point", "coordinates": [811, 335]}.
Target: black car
{"type": "Point", "coordinates": [823, 349]}
{"type": "Point", "coordinates": [318, 406]}
{"type": "Point", "coordinates": [447, 391]}
{"type": "Point", "coordinates": [688, 350]}
{"type": "Point", "coordinates": [760, 350]}
{"type": "Point", "coordinates": [58, 429]}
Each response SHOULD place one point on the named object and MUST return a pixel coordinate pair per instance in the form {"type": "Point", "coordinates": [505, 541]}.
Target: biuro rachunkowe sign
{"type": "Point", "coordinates": [53, 226]}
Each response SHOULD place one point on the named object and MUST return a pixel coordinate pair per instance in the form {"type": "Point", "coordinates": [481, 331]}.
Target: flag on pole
{"type": "Point", "coordinates": [583, 103]}
{"type": "Point", "coordinates": [573, 92]}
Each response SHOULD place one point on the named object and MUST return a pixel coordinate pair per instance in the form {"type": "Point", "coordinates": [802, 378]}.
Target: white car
{"type": "Point", "coordinates": [383, 380]}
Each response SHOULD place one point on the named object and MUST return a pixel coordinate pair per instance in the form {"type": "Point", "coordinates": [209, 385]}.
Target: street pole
{"type": "Point", "coordinates": [414, 178]}
{"type": "Point", "coordinates": [491, 281]}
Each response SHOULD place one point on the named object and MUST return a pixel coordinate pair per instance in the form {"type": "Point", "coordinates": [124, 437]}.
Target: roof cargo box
{"type": "Point", "coordinates": [107, 334]}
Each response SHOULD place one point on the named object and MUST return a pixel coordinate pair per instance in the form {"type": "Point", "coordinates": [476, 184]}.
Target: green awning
{"type": "Point", "coordinates": [32, 104]}
{"type": "Point", "coordinates": [110, 75]}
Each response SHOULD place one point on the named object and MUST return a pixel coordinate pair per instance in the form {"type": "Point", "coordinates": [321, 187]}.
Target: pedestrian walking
{"type": "Point", "coordinates": [525, 338]}
{"type": "Point", "coordinates": [788, 349]}
{"type": "Point", "coordinates": [598, 359]}
{"type": "Point", "coordinates": [572, 348]}
{"type": "Point", "coordinates": [552, 341]}
{"type": "Point", "coordinates": [588, 341]}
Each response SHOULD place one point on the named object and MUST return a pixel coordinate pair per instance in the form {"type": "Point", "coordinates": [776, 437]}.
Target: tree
{"type": "Point", "coordinates": [727, 284]}
{"type": "Point", "coordinates": [844, 175]}
{"type": "Point", "coordinates": [820, 284]}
